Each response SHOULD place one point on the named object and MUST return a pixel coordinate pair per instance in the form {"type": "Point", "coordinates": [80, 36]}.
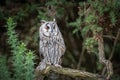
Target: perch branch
{"type": "Point", "coordinates": [68, 72]}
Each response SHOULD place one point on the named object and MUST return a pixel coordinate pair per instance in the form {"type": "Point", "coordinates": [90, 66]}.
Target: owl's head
{"type": "Point", "coordinates": [49, 28]}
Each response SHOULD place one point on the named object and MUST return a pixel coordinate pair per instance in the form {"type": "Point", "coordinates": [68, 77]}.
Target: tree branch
{"type": "Point", "coordinates": [80, 58]}
{"type": "Point", "coordinates": [101, 54]}
{"type": "Point", "coordinates": [113, 49]}
{"type": "Point", "coordinates": [68, 72]}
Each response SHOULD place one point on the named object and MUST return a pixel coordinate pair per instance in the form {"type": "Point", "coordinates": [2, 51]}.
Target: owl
{"type": "Point", "coordinates": [51, 45]}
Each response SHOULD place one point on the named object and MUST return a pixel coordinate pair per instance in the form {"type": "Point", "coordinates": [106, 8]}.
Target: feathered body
{"type": "Point", "coordinates": [52, 45]}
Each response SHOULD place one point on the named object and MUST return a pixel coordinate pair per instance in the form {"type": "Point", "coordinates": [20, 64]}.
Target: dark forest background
{"type": "Point", "coordinates": [78, 21]}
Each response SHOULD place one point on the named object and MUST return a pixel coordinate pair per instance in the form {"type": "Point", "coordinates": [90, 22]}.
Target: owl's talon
{"type": "Point", "coordinates": [41, 66]}
{"type": "Point", "coordinates": [57, 65]}
{"type": "Point", "coordinates": [48, 63]}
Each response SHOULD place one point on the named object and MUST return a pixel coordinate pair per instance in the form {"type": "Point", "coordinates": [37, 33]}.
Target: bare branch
{"type": "Point", "coordinates": [109, 36]}
{"type": "Point", "coordinates": [101, 54]}
{"type": "Point", "coordinates": [112, 52]}
{"type": "Point", "coordinates": [68, 72]}
{"type": "Point", "coordinates": [115, 42]}
{"type": "Point", "coordinates": [80, 58]}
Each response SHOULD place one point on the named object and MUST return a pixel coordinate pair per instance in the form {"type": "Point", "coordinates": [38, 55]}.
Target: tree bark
{"type": "Point", "coordinates": [68, 72]}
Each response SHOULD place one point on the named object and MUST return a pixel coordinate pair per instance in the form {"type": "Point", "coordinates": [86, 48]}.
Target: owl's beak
{"type": "Point", "coordinates": [47, 30]}
{"type": "Point", "coordinates": [51, 31]}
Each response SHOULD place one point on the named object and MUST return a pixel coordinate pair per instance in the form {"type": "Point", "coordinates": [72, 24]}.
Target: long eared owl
{"type": "Point", "coordinates": [51, 43]}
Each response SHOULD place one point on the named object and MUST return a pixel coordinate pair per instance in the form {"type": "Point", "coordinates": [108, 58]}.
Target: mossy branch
{"type": "Point", "coordinates": [68, 72]}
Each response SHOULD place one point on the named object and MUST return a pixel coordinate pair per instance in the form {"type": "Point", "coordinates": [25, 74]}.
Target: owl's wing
{"type": "Point", "coordinates": [41, 48]}
{"type": "Point", "coordinates": [60, 42]}
{"type": "Point", "coordinates": [41, 43]}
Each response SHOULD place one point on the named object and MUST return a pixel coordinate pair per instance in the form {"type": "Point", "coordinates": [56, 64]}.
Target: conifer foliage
{"type": "Point", "coordinates": [22, 58]}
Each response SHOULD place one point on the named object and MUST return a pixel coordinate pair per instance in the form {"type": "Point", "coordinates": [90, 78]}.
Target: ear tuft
{"type": "Point", "coordinates": [54, 20]}
{"type": "Point", "coordinates": [42, 21]}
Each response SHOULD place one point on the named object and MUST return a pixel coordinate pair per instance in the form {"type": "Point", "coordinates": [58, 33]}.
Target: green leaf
{"type": "Point", "coordinates": [113, 17]}
{"type": "Point", "coordinates": [85, 30]}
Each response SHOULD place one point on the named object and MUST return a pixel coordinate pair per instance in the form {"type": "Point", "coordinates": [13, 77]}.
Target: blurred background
{"type": "Point", "coordinates": [78, 21]}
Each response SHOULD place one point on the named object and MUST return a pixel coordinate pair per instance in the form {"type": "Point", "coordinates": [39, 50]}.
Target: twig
{"type": "Point", "coordinates": [115, 42]}
{"type": "Point", "coordinates": [108, 36]}
{"type": "Point", "coordinates": [83, 48]}
{"type": "Point", "coordinates": [80, 58]}
{"type": "Point", "coordinates": [68, 72]}
{"type": "Point", "coordinates": [113, 50]}
{"type": "Point", "coordinates": [101, 54]}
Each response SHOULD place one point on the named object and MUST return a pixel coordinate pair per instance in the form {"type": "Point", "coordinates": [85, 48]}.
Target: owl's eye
{"type": "Point", "coordinates": [47, 27]}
